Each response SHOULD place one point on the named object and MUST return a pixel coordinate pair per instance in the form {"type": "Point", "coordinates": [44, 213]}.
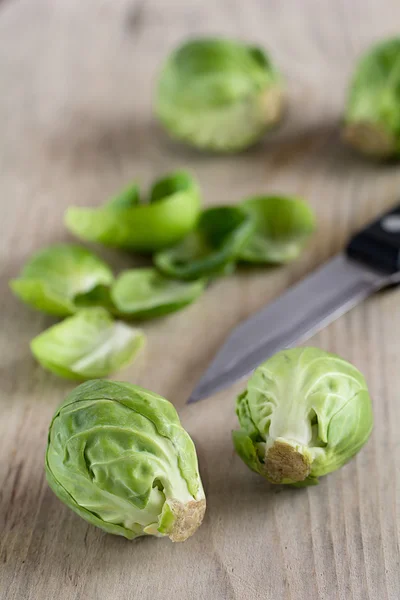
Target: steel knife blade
{"type": "Point", "coordinates": [370, 262]}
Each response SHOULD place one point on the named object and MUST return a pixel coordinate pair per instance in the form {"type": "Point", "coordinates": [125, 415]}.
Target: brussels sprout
{"type": "Point", "coordinates": [53, 278]}
{"type": "Point", "coordinates": [119, 457]}
{"type": "Point", "coordinates": [305, 413]}
{"type": "Point", "coordinates": [218, 94]}
{"type": "Point", "coordinates": [212, 248]}
{"type": "Point", "coordinates": [283, 226]}
{"type": "Point", "coordinates": [372, 115]}
{"type": "Point", "coordinates": [172, 211]}
{"type": "Point", "coordinates": [145, 293]}
{"type": "Point", "coordinates": [87, 345]}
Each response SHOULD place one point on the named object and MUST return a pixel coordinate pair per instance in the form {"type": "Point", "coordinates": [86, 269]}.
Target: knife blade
{"type": "Point", "coordinates": [371, 262]}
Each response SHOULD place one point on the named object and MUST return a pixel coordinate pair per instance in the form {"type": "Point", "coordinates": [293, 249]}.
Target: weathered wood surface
{"type": "Point", "coordinates": [75, 111]}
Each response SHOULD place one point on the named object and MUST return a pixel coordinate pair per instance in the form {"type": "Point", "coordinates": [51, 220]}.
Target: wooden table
{"type": "Point", "coordinates": [76, 125]}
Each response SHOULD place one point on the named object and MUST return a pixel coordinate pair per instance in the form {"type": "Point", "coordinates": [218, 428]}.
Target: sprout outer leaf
{"type": "Point", "coordinates": [87, 345]}
{"type": "Point", "coordinates": [146, 293]}
{"type": "Point", "coordinates": [221, 234]}
{"type": "Point", "coordinates": [52, 279]}
{"type": "Point", "coordinates": [283, 227]}
{"type": "Point", "coordinates": [170, 214]}
{"type": "Point", "coordinates": [245, 448]}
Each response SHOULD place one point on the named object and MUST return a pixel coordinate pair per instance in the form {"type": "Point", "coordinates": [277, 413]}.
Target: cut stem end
{"type": "Point", "coordinates": [272, 103]}
{"type": "Point", "coordinates": [286, 463]}
{"type": "Point", "coordinates": [369, 138]}
{"type": "Point", "coordinates": [188, 517]}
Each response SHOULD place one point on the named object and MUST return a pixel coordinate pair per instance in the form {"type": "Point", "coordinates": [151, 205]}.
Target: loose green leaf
{"type": "Point", "coordinates": [283, 226]}
{"type": "Point", "coordinates": [55, 276]}
{"type": "Point", "coordinates": [98, 296]}
{"type": "Point", "coordinates": [171, 212]}
{"type": "Point", "coordinates": [218, 94]}
{"type": "Point", "coordinates": [212, 248]}
{"type": "Point", "coordinates": [372, 114]}
{"type": "Point", "coordinates": [87, 345]}
{"type": "Point", "coordinates": [145, 293]}
{"type": "Point", "coordinates": [304, 413]}
{"type": "Point", "coordinates": [129, 197]}
{"type": "Point", "coordinates": [119, 457]}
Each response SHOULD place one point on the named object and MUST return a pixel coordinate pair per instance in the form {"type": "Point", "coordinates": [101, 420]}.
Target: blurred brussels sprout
{"type": "Point", "coordinates": [283, 226]}
{"type": "Point", "coordinates": [53, 278]}
{"type": "Point", "coordinates": [218, 94]}
{"type": "Point", "coordinates": [146, 293]}
{"type": "Point", "coordinates": [87, 345]}
{"type": "Point", "coordinates": [119, 457]}
{"type": "Point", "coordinates": [212, 248]}
{"type": "Point", "coordinates": [125, 222]}
{"type": "Point", "coordinates": [305, 413]}
{"type": "Point", "coordinates": [372, 115]}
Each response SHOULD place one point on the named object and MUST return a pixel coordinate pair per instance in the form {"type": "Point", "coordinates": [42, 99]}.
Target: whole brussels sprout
{"type": "Point", "coordinates": [372, 115]}
{"type": "Point", "coordinates": [305, 413]}
{"type": "Point", "coordinates": [218, 94]}
{"type": "Point", "coordinates": [118, 456]}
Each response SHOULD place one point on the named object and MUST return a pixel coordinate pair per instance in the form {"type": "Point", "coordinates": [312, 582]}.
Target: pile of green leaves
{"type": "Point", "coordinates": [190, 247]}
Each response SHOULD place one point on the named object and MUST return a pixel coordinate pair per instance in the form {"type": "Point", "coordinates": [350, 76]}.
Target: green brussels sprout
{"type": "Point", "coordinates": [283, 226]}
{"type": "Point", "coordinates": [212, 248]}
{"type": "Point", "coordinates": [146, 293]}
{"type": "Point", "coordinates": [125, 222]}
{"type": "Point", "coordinates": [87, 345]}
{"type": "Point", "coordinates": [52, 279]}
{"type": "Point", "coordinates": [218, 94]}
{"type": "Point", "coordinates": [119, 457]}
{"type": "Point", "coordinates": [372, 115]}
{"type": "Point", "coordinates": [305, 413]}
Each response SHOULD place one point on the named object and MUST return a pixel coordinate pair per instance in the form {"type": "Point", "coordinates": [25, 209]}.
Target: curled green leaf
{"type": "Point", "coordinates": [372, 114]}
{"type": "Point", "coordinates": [53, 278]}
{"type": "Point", "coordinates": [212, 248]}
{"type": "Point", "coordinates": [283, 226]}
{"type": "Point", "coordinates": [219, 94]}
{"type": "Point", "coordinates": [125, 222]}
{"type": "Point", "coordinates": [119, 457]}
{"type": "Point", "coordinates": [98, 296]}
{"type": "Point", "coordinates": [146, 293]}
{"type": "Point", "coordinates": [129, 197]}
{"type": "Point", "coordinates": [87, 345]}
{"type": "Point", "coordinates": [304, 413]}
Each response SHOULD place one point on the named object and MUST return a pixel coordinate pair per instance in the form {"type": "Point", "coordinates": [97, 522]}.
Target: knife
{"type": "Point", "coordinates": [370, 262]}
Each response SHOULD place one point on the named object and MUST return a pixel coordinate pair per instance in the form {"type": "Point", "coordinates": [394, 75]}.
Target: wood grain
{"type": "Point", "coordinates": [76, 125]}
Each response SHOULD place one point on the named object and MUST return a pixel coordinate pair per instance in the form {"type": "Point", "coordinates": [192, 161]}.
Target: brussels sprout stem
{"type": "Point", "coordinates": [370, 138]}
{"type": "Point", "coordinates": [286, 463]}
{"type": "Point", "coordinates": [188, 517]}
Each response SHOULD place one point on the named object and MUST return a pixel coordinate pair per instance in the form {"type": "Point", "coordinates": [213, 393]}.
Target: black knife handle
{"type": "Point", "coordinates": [378, 245]}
